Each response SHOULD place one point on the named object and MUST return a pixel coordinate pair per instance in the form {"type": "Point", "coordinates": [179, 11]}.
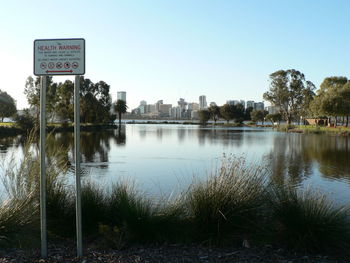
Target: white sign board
{"type": "Point", "coordinates": [59, 57]}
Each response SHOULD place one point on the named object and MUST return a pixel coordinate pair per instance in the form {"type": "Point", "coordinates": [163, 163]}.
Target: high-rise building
{"type": "Point", "coordinates": [121, 95]}
{"type": "Point", "coordinates": [250, 103]}
{"type": "Point", "coordinates": [202, 102]}
{"type": "Point", "coordinates": [164, 109]}
{"type": "Point", "coordinates": [259, 106]}
{"type": "Point", "coordinates": [175, 112]}
{"type": "Point", "coordinates": [236, 102]}
{"type": "Point", "coordinates": [182, 104]}
{"type": "Point", "coordinates": [193, 106]}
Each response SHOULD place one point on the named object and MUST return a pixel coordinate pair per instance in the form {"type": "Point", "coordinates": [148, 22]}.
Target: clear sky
{"type": "Point", "coordinates": [185, 48]}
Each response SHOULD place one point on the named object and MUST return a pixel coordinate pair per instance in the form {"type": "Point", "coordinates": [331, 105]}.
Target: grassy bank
{"type": "Point", "coordinates": [235, 205]}
{"type": "Point", "coordinates": [311, 129]}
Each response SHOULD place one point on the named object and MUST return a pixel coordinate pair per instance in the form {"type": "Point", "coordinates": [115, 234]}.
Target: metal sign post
{"type": "Point", "coordinates": [77, 165]}
{"type": "Point", "coordinates": [43, 167]}
{"type": "Point", "coordinates": [59, 57]}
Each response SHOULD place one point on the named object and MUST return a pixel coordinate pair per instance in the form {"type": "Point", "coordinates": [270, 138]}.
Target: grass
{"type": "Point", "coordinates": [307, 220]}
{"type": "Point", "coordinates": [236, 203]}
{"type": "Point", "coordinates": [228, 204]}
{"type": "Point", "coordinates": [344, 131]}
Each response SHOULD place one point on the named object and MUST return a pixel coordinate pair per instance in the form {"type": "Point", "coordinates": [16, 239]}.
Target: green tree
{"type": "Point", "coordinates": [258, 115]}
{"type": "Point", "coordinates": [226, 112]}
{"type": "Point", "coordinates": [247, 112]}
{"type": "Point", "coordinates": [333, 98]}
{"type": "Point", "coordinates": [95, 101]}
{"type": "Point", "coordinates": [214, 112]}
{"type": "Point", "coordinates": [65, 101]}
{"type": "Point", "coordinates": [237, 113]}
{"type": "Point", "coordinates": [288, 90]}
{"type": "Point", "coordinates": [276, 117]}
{"type": "Point", "coordinates": [120, 107]}
{"type": "Point", "coordinates": [204, 116]}
{"type": "Point", "coordinates": [7, 105]}
{"type": "Point", "coordinates": [32, 92]}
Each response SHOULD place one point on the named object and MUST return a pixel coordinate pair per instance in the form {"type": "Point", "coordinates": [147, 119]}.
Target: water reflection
{"type": "Point", "coordinates": [287, 159]}
{"type": "Point", "coordinates": [10, 142]}
{"type": "Point", "coordinates": [293, 157]}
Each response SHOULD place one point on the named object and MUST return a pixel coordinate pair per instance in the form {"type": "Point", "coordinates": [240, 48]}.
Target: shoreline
{"type": "Point", "coordinates": [167, 253]}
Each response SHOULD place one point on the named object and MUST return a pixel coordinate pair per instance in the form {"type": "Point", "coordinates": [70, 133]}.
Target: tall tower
{"type": "Point", "coordinates": [202, 102]}
{"type": "Point", "coordinates": [121, 95]}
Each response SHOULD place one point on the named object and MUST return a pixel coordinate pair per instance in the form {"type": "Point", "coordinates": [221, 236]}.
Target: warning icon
{"type": "Point", "coordinates": [43, 65]}
{"type": "Point", "coordinates": [75, 64]}
{"type": "Point", "coordinates": [67, 65]}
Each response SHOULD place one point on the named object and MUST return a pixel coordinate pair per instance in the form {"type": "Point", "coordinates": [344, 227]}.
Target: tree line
{"type": "Point", "coordinates": [95, 102]}
{"type": "Point", "coordinates": [236, 113]}
{"type": "Point", "coordinates": [296, 99]}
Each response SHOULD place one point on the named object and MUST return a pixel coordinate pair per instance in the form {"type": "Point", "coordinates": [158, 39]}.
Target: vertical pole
{"type": "Point", "coordinates": [77, 165]}
{"type": "Point", "coordinates": [43, 167]}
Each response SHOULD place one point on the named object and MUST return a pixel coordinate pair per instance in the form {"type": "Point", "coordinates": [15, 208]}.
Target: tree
{"type": "Point", "coordinates": [226, 112]}
{"type": "Point", "coordinates": [32, 92]}
{"type": "Point", "coordinates": [237, 113]}
{"type": "Point", "coordinates": [258, 115]}
{"type": "Point", "coordinates": [247, 112]}
{"type": "Point", "coordinates": [120, 107]}
{"type": "Point", "coordinates": [214, 112]}
{"type": "Point", "coordinates": [7, 105]}
{"type": "Point", "coordinates": [204, 116]}
{"type": "Point", "coordinates": [290, 92]}
{"type": "Point", "coordinates": [333, 98]}
{"type": "Point", "coordinates": [65, 101]}
{"type": "Point", "coordinates": [274, 117]}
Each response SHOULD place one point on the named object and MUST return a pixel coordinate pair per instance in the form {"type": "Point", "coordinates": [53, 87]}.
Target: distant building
{"type": "Point", "coordinates": [194, 114]}
{"type": "Point", "coordinates": [273, 109]}
{"type": "Point", "coordinates": [202, 102]}
{"type": "Point", "coordinates": [259, 106]}
{"type": "Point", "coordinates": [164, 110]}
{"type": "Point", "coordinates": [193, 106]}
{"type": "Point", "coordinates": [175, 112]}
{"type": "Point", "coordinates": [250, 103]}
{"type": "Point", "coordinates": [121, 95]}
{"type": "Point", "coordinates": [236, 102]}
{"type": "Point", "coordinates": [182, 104]}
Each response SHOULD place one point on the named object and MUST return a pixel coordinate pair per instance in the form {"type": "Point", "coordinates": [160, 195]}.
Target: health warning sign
{"type": "Point", "coordinates": [59, 56]}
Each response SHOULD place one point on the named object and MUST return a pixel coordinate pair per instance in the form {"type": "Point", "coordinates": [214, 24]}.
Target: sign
{"type": "Point", "coordinates": [59, 56]}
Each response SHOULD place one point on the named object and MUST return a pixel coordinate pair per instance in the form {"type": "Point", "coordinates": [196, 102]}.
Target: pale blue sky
{"type": "Point", "coordinates": [170, 49]}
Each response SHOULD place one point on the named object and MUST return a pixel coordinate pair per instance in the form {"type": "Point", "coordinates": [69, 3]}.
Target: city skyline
{"type": "Point", "coordinates": [182, 49]}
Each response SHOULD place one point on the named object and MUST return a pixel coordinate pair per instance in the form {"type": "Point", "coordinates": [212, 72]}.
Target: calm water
{"type": "Point", "coordinates": [165, 158]}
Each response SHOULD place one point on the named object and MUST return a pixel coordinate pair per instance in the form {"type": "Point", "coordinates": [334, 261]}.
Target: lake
{"type": "Point", "coordinates": [164, 158]}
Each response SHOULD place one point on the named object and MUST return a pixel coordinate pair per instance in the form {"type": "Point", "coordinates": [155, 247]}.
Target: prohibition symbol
{"type": "Point", "coordinates": [59, 65]}
{"type": "Point", "coordinates": [75, 64]}
{"type": "Point", "coordinates": [43, 65]}
{"type": "Point", "coordinates": [66, 65]}
{"type": "Point", "coordinates": [51, 65]}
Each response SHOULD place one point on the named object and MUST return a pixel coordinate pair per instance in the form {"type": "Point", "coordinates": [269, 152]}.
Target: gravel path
{"type": "Point", "coordinates": [165, 254]}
